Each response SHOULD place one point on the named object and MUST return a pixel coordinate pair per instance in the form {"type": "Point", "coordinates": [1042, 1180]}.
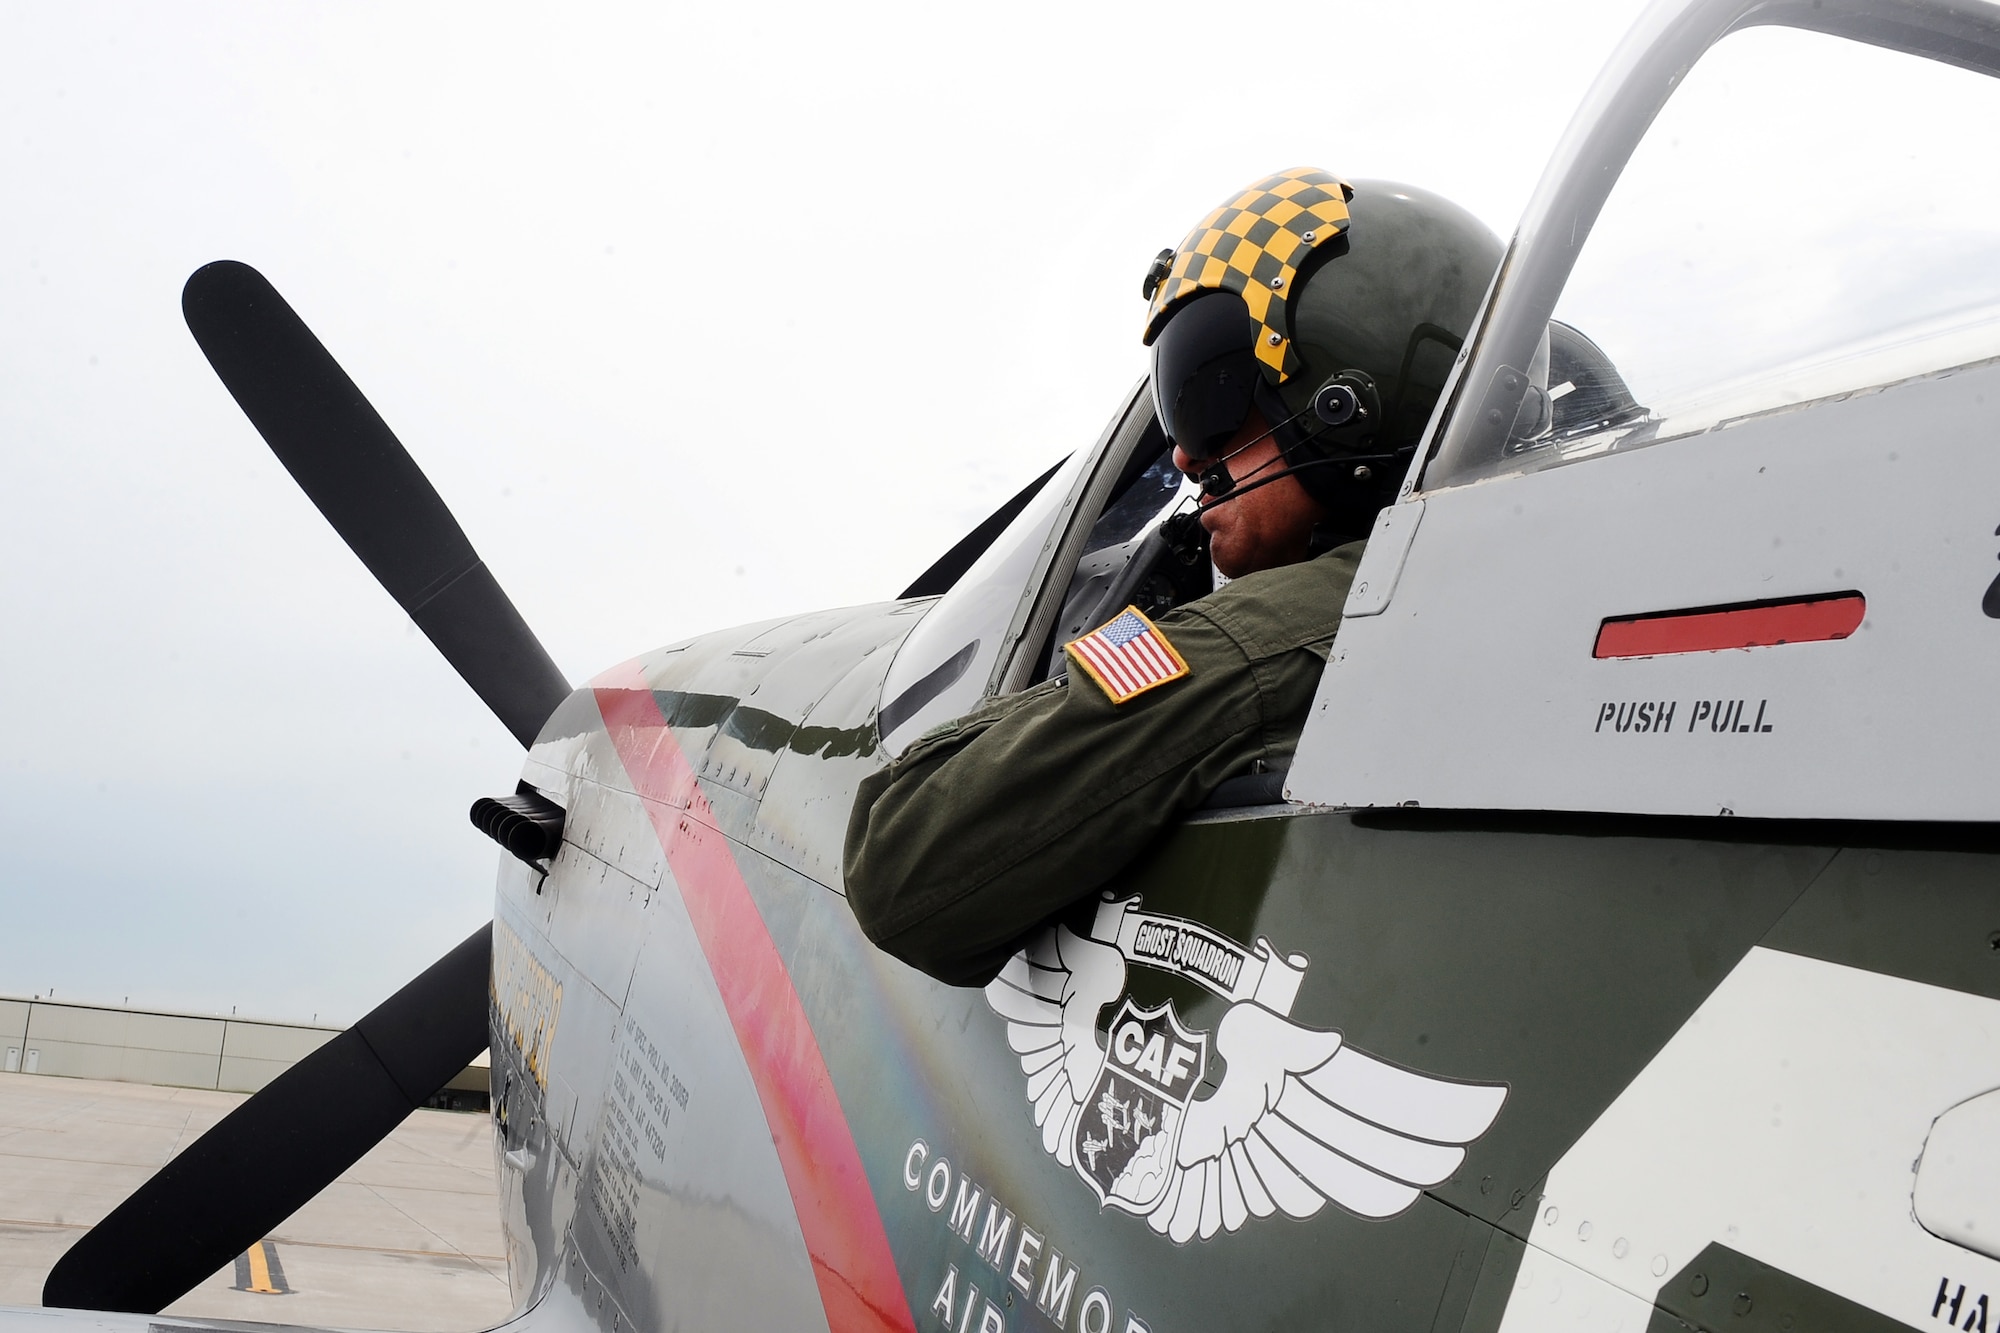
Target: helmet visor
{"type": "Point", "coordinates": [1205, 372]}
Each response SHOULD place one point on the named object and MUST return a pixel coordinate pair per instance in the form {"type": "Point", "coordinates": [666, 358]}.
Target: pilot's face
{"type": "Point", "coordinates": [1264, 528]}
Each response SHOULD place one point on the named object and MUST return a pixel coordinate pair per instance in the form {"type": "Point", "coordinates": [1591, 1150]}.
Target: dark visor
{"type": "Point", "coordinates": [1205, 372]}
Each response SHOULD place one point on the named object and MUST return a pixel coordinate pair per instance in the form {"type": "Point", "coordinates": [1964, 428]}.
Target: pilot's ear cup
{"type": "Point", "coordinates": [1335, 403]}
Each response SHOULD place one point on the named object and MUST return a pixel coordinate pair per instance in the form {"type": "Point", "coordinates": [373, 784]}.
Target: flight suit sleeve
{"type": "Point", "coordinates": [987, 826]}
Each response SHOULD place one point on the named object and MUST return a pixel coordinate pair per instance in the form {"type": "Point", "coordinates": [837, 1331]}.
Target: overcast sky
{"type": "Point", "coordinates": [695, 315]}
{"type": "Point", "coordinates": [1766, 219]}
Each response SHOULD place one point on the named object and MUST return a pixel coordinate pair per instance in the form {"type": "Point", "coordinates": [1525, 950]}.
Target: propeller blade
{"type": "Point", "coordinates": [264, 1160]}
{"type": "Point", "coordinates": [352, 466]}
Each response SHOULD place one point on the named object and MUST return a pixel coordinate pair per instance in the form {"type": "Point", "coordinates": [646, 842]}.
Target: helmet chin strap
{"type": "Point", "coordinates": [1345, 396]}
{"type": "Point", "coordinates": [1336, 403]}
{"type": "Point", "coordinates": [1215, 479]}
{"type": "Point", "coordinates": [1182, 529]}
{"type": "Point", "coordinates": [1236, 492]}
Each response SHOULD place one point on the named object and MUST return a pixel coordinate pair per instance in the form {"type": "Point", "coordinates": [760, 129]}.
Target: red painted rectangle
{"type": "Point", "coordinates": [1750, 625]}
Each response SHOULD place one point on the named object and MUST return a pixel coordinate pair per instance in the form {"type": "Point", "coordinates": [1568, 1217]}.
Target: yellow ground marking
{"type": "Point", "coordinates": [259, 1256]}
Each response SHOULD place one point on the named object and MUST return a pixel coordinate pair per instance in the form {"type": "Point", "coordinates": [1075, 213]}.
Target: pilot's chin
{"type": "Point", "coordinates": [1225, 562]}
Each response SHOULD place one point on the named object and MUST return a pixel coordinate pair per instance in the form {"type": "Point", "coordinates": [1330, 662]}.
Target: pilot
{"type": "Point", "coordinates": [1300, 337]}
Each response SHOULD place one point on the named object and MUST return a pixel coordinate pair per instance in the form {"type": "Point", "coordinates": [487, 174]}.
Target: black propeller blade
{"type": "Point", "coordinates": [265, 1159]}
{"type": "Point", "coordinates": [352, 466]}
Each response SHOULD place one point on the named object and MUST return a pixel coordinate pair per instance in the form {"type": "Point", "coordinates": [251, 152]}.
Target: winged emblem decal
{"type": "Point", "coordinates": [1298, 1118]}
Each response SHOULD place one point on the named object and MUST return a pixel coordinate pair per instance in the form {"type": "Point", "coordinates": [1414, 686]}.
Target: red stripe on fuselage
{"type": "Point", "coordinates": [841, 1223]}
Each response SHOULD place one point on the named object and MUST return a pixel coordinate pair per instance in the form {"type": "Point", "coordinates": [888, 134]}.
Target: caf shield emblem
{"type": "Point", "coordinates": [1130, 1126]}
{"type": "Point", "coordinates": [1299, 1118]}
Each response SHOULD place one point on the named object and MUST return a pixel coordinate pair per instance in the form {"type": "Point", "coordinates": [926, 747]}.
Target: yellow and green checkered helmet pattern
{"type": "Point", "coordinates": [1253, 245]}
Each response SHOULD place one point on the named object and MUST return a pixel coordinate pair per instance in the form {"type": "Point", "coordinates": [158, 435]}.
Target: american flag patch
{"type": "Point", "coordinates": [1128, 656]}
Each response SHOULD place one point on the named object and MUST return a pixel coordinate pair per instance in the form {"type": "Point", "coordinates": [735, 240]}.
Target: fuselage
{"type": "Point", "coordinates": [719, 1106]}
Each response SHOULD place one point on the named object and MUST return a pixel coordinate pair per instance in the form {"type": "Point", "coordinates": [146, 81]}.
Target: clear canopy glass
{"type": "Point", "coordinates": [1804, 210]}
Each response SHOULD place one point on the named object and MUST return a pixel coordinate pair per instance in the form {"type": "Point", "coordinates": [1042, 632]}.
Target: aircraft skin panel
{"type": "Point", "coordinates": [645, 1212]}
{"type": "Point", "coordinates": [802, 819]}
{"type": "Point", "coordinates": [1554, 962]}
{"type": "Point", "coordinates": [1550, 1294]}
{"type": "Point", "coordinates": [741, 700]}
{"type": "Point", "coordinates": [1545, 966]}
{"type": "Point", "coordinates": [938, 1098]}
{"type": "Point", "coordinates": [843, 1231]}
{"type": "Point", "coordinates": [547, 1061]}
{"type": "Point", "coordinates": [1882, 493]}
{"type": "Point", "coordinates": [684, 1193]}
{"type": "Point", "coordinates": [905, 1084]}
{"type": "Point", "coordinates": [1785, 1122]}
{"type": "Point", "coordinates": [642, 1181]}
{"type": "Point", "coordinates": [1561, 958]}
{"type": "Point", "coordinates": [559, 920]}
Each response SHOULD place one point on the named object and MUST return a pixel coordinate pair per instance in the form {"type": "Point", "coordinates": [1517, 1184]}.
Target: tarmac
{"type": "Point", "coordinates": [409, 1238]}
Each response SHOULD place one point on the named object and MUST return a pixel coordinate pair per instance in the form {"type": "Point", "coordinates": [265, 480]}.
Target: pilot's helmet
{"type": "Point", "coordinates": [1335, 308]}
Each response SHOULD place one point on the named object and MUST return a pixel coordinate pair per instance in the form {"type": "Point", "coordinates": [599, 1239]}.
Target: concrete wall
{"type": "Point", "coordinates": [255, 1053]}
{"type": "Point", "coordinates": [123, 1045]}
{"type": "Point", "coordinates": [136, 1046]}
{"type": "Point", "coordinates": [13, 1028]}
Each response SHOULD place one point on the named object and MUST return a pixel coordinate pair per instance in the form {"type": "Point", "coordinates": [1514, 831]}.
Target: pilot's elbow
{"type": "Point", "coordinates": [874, 886]}
{"type": "Point", "coordinates": [930, 947]}
{"type": "Point", "coordinates": [892, 864]}
{"type": "Point", "coordinates": [885, 903]}
{"type": "Point", "coordinates": [872, 897]}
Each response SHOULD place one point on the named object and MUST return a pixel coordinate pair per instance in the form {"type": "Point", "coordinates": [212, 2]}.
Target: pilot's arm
{"type": "Point", "coordinates": [989, 825]}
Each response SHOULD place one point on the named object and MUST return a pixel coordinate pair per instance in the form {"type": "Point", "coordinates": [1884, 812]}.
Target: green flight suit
{"type": "Point", "coordinates": [990, 824]}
